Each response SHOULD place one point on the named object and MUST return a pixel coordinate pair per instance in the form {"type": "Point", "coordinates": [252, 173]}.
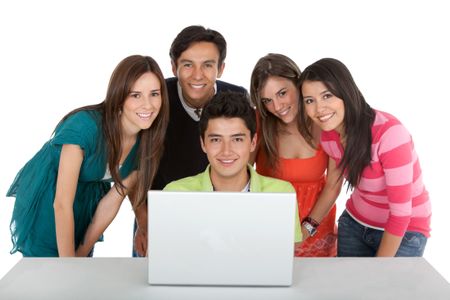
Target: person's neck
{"type": "Point", "coordinates": [230, 184]}
{"type": "Point", "coordinates": [288, 129]}
{"type": "Point", "coordinates": [128, 137]}
{"type": "Point", "coordinates": [196, 104]}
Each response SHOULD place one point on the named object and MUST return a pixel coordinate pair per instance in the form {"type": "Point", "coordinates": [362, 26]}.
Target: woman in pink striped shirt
{"type": "Point", "coordinates": [388, 213]}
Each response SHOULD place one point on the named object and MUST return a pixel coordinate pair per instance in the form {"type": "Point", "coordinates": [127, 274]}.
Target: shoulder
{"type": "Point", "coordinates": [384, 119]}
{"type": "Point", "coordinates": [225, 86]}
{"type": "Point", "coordinates": [171, 82]}
{"type": "Point", "coordinates": [330, 143]}
{"type": "Point", "coordinates": [172, 88]}
{"type": "Point", "coordinates": [269, 184]}
{"type": "Point", "coordinates": [388, 128]}
{"type": "Point", "coordinates": [83, 120]}
{"type": "Point", "coordinates": [81, 128]}
{"type": "Point", "coordinates": [192, 183]}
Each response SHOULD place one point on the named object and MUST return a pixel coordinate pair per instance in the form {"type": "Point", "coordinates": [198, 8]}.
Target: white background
{"type": "Point", "coordinates": [58, 55]}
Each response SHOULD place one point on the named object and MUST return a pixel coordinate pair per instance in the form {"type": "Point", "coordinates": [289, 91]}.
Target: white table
{"type": "Point", "coordinates": [314, 278]}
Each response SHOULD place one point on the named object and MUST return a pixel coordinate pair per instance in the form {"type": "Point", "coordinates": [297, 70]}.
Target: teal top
{"type": "Point", "coordinates": [33, 221]}
{"type": "Point", "coordinates": [258, 183]}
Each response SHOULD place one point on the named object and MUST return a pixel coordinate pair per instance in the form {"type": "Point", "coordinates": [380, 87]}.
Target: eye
{"type": "Point", "coordinates": [265, 101]}
{"type": "Point", "coordinates": [238, 139]}
{"type": "Point", "coordinates": [155, 94]}
{"type": "Point", "coordinates": [327, 95]}
{"type": "Point", "coordinates": [209, 65]}
{"type": "Point", "coordinates": [187, 65]}
{"type": "Point", "coordinates": [308, 100]}
{"type": "Point", "coordinates": [282, 93]}
{"type": "Point", "coordinates": [135, 95]}
{"type": "Point", "coordinates": [214, 140]}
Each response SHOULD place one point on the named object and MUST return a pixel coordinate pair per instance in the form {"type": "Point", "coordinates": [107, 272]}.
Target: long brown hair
{"type": "Point", "coordinates": [268, 130]}
{"type": "Point", "coordinates": [358, 115]}
{"type": "Point", "coordinates": [151, 140]}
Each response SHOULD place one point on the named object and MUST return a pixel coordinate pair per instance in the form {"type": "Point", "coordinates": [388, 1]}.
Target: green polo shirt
{"type": "Point", "coordinates": [258, 183]}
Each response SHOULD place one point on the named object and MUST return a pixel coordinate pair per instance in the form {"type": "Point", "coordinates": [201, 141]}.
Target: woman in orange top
{"type": "Point", "coordinates": [284, 153]}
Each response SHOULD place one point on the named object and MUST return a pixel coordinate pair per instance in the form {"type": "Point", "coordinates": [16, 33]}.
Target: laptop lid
{"type": "Point", "coordinates": [221, 238]}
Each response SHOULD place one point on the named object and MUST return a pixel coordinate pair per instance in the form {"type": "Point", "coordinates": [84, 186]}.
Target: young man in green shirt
{"type": "Point", "coordinates": [228, 136]}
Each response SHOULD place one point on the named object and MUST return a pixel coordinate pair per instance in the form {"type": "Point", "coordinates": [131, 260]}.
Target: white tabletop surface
{"type": "Point", "coordinates": [314, 278]}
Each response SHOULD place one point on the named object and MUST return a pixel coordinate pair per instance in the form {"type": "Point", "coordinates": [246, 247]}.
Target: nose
{"type": "Point", "coordinates": [226, 147]}
{"type": "Point", "coordinates": [197, 72]}
{"type": "Point", "coordinates": [276, 104]}
{"type": "Point", "coordinates": [320, 105]}
{"type": "Point", "coordinates": [147, 102]}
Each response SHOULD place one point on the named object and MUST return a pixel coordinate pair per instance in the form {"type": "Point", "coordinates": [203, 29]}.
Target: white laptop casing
{"type": "Point", "coordinates": [221, 238]}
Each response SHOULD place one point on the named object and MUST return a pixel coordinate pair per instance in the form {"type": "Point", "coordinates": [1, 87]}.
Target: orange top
{"type": "Point", "coordinates": [308, 178]}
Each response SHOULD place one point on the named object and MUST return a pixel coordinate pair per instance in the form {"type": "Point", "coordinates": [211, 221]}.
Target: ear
{"type": "Point", "coordinates": [202, 144]}
{"type": "Point", "coordinates": [219, 74]}
{"type": "Point", "coordinates": [174, 68]}
{"type": "Point", "coordinates": [254, 142]}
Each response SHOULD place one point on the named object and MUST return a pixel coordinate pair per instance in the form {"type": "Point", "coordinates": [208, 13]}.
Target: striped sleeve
{"type": "Point", "coordinates": [396, 155]}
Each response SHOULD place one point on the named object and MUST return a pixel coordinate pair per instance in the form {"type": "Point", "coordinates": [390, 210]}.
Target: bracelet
{"type": "Point", "coordinates": [311, 221]}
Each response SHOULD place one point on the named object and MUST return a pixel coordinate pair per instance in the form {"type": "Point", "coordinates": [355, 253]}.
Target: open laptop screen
{"type": "Point", "coordinates": [221, 238]}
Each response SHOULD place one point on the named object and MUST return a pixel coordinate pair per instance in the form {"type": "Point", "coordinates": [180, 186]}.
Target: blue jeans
{"type": "Point", "coordinates": [358, 240]}
{"type": "Point", "coordinates": [133, 252]}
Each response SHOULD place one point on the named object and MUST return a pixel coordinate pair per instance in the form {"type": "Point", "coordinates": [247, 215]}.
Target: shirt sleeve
{"type": "Point", "coordinates": [396, 156]}
{"type": "Point", "coordinates": [78, 129]}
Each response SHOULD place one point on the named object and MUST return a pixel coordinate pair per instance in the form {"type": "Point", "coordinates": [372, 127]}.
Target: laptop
{"type": "Point", "coordinates": [221, 238]}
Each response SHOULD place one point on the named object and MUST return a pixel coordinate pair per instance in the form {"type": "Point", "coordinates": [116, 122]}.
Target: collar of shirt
{"type": "Point", "coordinates": [194, 113]}
{"type": "Point", "coordinates": [247, 187]}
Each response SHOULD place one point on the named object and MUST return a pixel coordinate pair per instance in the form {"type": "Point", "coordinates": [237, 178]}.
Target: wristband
{"type": "Point", "coordinates": [311, 221]}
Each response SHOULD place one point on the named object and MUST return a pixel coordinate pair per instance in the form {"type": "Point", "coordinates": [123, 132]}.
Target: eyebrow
{"type": "Point", "coordinates": [152, 91]}
{"type": "Point", "coordinates": [219, 135]}
{"type": "Point", "coordinates": [321, 93]}
{"type": "Point", "coordinates": [282, 89]}
{"type": "Point", "coordinates": [208, 61]}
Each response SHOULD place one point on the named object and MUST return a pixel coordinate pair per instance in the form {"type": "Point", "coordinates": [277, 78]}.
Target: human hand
{"type": "Point", "coordinates": [82, 251]}
{"type": "Point", "coordinates": [140, 242]}
{"type": "Point", "coordinates": [305, 234]}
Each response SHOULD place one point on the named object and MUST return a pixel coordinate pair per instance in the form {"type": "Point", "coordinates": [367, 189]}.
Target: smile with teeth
{"type": "Point", "coordinates": [144, 115]}
{"type": "Point", "coordinates": [284, 111]}
{"type": "Point", "coordinates": [226, 161]}
{"type": "Point", "coordinates": [326, 117]}
{"type": "Point", "coordinates": [198, 86]}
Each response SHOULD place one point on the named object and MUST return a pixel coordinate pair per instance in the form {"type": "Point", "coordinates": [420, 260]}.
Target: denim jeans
{"type": "Point", "coordinates": [134, 252]}
{"type": "Point", "coordinates": [355, 239]}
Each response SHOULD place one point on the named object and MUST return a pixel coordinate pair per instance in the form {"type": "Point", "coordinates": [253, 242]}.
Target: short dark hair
{"type": "Point", "coordinates": [196, 33]}
{"type": "Point", "coordinates": [229, 104]}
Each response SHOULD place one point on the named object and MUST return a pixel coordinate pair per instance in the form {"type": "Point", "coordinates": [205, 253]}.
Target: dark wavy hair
{"type": "Point", "coordinates": [358, 118]}
{"type": "Point", "coordinates": [193, 34]}
{"type": "Point", "coordinates": [150, 150]}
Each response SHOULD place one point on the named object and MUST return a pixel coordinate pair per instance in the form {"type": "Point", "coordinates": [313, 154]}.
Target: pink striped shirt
{"type": "Point", "coordinates": [391, 194]}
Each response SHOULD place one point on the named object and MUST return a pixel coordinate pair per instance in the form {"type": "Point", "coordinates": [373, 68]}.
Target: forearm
{"type": "Point", "coordinates": [66, 185]}
{"type": "Point", "coordinates": [389, 245]}
{"type": "Point", "coordinates": [325, 201]}
{"type": "Point", "coordinates": [323, 205]}
{"type": "Point", "coordinates": [329, 194]}
{"type": "Point", "coordinates": [105, 213]}
{"type": "Point", "coordinates": [141, 216]}
{"type": "Point", "coordinates": [64, 224]}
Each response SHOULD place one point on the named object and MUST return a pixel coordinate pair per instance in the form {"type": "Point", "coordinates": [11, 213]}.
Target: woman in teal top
{"type": "Point", "coordinates": [64, 199]}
